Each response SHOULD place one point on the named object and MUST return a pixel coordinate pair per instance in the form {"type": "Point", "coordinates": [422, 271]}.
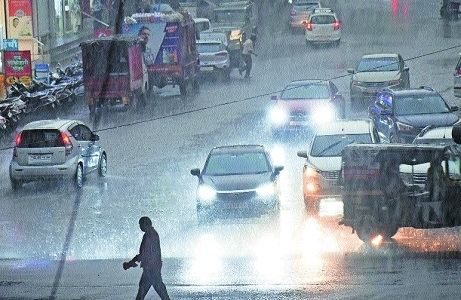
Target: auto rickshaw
{"type": "Point", "coordinates": [389, 186]}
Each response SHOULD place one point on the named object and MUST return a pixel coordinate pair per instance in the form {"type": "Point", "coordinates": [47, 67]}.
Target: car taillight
{"type": "Point", "coordinates": [336, 25]}
{"type": "Point", "coordinates": [222, 53]}
{"type": "Point", "coordinates": [67, 143]}
{"type": "Point", "coordinates": [309, 26]}
{"type": "Point", "coordinates": [458, 72]}
{"type": "Point", "coordinates": [17, 140]}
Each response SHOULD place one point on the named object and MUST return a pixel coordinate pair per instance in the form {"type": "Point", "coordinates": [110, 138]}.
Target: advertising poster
{"type": "Point", "coordinates": [161, 41]}
{"type": "Point", "coordinates": [18, 67]}
{"type": "Point", "coordinates": [19, 19]}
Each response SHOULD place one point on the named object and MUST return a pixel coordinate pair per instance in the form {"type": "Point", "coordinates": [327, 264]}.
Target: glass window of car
{"type": "Point", "coordinates": [419, 104]}
{"type": "Point", "coordinates": [382, 64]}
{"type": "Point", "coordinates": [236, 164]}
{"type": "Point", "coordinates": [332, 145]}
{"type": "Point", "coordinates": [322, 19]}
{"type": "Point", "coordinates": [40, 138]}
{"type": "Point", "coordinates": [210, 47]}
{"type": "Point", "coordinates": [81, 132]}
{"type": "Point", "coordinates": [308, 91]}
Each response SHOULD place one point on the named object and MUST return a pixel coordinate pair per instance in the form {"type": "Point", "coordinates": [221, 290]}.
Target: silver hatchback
{"type": "Point", "coordinates": [56, 149]}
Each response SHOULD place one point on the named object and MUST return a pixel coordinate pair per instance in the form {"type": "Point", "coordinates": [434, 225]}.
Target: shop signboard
{"type": "Point", "coordinates": [18, 67]}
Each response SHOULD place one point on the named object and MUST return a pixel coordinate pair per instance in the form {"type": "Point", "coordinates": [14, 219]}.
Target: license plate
{"type": "Point", "coordinates": [323, 37]}
{"type": "Point", "coordinates": [371, 91]}
{"type": "Point", "coordinates": [298, 123]}
{"type": "Point", "coordinates": [40, 157]}
{"type": "Point", "coordinates": [206, 68]}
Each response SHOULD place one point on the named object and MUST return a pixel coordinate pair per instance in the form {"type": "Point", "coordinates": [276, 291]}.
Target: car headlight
{"type": "Point", "coordinates": [206, 193]}
{"type": "Point", "coordinates": [278, 116]}
{"type": "Point", "coordinates": [324, 115]}
{"type": "Point", "coordinates": [356, 83]}
{"type": "Point", "coordinates": [265, 190]}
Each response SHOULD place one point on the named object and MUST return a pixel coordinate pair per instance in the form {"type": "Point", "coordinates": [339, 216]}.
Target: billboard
{"type": "Point", "coordinates": [18, 67]}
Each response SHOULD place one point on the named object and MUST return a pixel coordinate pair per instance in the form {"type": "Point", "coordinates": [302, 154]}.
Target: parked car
{"type": "Point", "coordinates": [375, 72]}
{"type": "Point", "coordinates": [304, 104]}
{"type": "Point", "coordinates": [457, 79]}
{"type": "Point", "coordinates": [214, 59]}
{"type": "Point", "coordinates": [322, 168]}
{"type": "Point", "coordinates": [56, 149]}
{"type": "Point", "coordinates": [300, 12]}
{"type": "Point", "coordinates": [202, 24]}
{"type": "Point", "coordinates": [237, 180]}
{"type": "Point", "coordinates": [323, 27]}
{"type": "Point", "coordinates": [400, 115]}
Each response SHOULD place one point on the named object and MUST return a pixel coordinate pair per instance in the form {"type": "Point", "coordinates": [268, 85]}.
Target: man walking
{"type": "Point", "coordinates": [151, 262]}
{"type": "Point", "coordinates": [248, 50]}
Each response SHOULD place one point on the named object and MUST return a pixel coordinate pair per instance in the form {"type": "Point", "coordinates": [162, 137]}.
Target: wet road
{"type": "Point", "coordinates": [290, 256]}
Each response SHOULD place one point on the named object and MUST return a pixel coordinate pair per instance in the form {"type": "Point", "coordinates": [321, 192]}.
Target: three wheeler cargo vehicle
{"type": "Point", "coordinates": [383, 193]}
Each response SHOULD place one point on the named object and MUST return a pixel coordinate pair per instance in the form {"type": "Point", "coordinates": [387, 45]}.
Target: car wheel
{"type": "Point", "coordinates": [78, 177]}
{"type": "Point", "coordinates": [336, 43]}
{"type": "Point", "coordinates": [102, 168]}
{"type": "Point", "coordinates": [16, 184]}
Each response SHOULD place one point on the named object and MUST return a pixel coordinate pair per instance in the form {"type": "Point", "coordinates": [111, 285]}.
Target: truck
{"type": "Point", "coordinates": [114, 73]}
{"type": "Point", "coordinates": [168, 42]}
{"type": "Point", "coordinates": [237, 19]}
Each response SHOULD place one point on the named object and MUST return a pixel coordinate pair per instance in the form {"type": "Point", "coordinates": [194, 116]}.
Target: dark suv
{"type": "Point", "coordinates": [399, 115]}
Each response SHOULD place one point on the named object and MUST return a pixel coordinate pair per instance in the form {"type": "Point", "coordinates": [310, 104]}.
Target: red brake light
{"type": "Point", "coordinates": [309, 26]}
{"type": "Point", "coordinates": [336, 25]}
{"type": "Point", "coordinates": [67, 143]}
{"type": "Point", "coordinates": [17, 140]}
{"type": "Point", "coordinates": [222, 53]}
{"type": "Point", "coordinates": [458, 71]}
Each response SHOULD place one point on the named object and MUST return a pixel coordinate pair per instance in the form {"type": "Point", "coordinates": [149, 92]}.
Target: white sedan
{"type": "Point", "coordinates": [323, 27]}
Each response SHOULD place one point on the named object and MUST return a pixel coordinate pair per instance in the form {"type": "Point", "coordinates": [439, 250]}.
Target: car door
{"type": "Point", "coordinates": [88, 149]}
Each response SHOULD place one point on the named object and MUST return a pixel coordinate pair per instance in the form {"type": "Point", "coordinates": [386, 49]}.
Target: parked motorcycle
{"type": "Point", "coordinates": [36, 97]}
{"type": "Point", "coordinates": [11, 110]}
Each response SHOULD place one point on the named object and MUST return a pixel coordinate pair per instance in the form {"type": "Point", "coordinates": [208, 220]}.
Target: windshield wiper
{"type": "Point", "coordinates": [329, 147]}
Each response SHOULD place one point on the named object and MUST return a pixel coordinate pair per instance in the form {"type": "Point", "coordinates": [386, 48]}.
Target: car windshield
{"type": "Point", "coordinates": [236, 164]}
{"type": "Point", "coordinates": [332, 145]}
{"type": "Point", "coordinates": [306, 91]}
{"type": "Point", "coordinates": [209, 47]}
{"type": "Point", "coordinates": [420, 104]}
{"type": "Point", "coordinates": [382, 64]}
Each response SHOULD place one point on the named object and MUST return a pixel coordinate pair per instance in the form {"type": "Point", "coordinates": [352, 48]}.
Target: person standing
{"type": "Point", "coordinates": [248, 50]}
{"type": "Point", "coordinates": [76, 16]}
{"type": "Point", "coordinates": [97, 14]}
{"type": "Point", "coordinates": [151, 261]}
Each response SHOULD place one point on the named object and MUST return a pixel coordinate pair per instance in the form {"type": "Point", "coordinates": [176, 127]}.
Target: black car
{"type": "Point", "coordinates": [237, 180]}
{"type": "Point", "coordinates": [400, 115]}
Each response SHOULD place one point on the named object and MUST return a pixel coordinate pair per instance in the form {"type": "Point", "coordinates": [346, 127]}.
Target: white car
{"type": "Point", "coordinates": [323, 26]}
{"type": "Point", "coordinates": [322, 167]}
{"type": "Point", "coordinates": [214, 59]}
{"type": "Point", "coordinates": [56, 149]}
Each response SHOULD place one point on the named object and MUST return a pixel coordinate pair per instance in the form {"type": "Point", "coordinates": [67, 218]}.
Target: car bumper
{"type": "Point", "coordinates": [368, 92]}
{"type": "Point", "coordinates": [225, 208]}
{"type": "Point", "coordinates": [36, 173]}
{"type": "Point", "coordinates": [323, 38]}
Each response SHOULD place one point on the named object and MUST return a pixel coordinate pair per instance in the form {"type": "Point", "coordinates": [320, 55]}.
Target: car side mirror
{"type": "Point", "coordinates": [95, 137]}
{"type": "Point", "coordinates": [454, 108]}
{"type": "Point", "coordinates": [406, 68]}
{"type": "Point", "coordinates": [273, 97]}
{"type": "Point", "coordinates": [195, 172]}
{"type": "Point", "coordinates": [302, 154]}
{"type": "Point", "coordinates": [351, 71]}
{"type": "Point", "coordinates": [278, 169]}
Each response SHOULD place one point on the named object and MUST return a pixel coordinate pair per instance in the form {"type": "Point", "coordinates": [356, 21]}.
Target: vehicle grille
{"type": "Point", "coordinates": [237, 196]}
{"type": "Point", "coordinates": [333, 175]}
{"type": "Point", "coordinates": [419, 178]}
{"type": "Point", "coordinates": [375, 84]}
{"type": "Point", "coordinates": [299, 117]}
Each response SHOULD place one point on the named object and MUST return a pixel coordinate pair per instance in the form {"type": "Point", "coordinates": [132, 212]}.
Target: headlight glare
{"type": "Point", "coordinates": [206, 193]}
{"type": "Point", "coordinates": [266, 190]}
{"type": "Point", "coordinates": [324, 115]}
{"type": "Point", "coordinates": [278, 116]}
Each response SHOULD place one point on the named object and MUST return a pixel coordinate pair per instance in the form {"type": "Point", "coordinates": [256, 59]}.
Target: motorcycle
{"type": "Point", "coordinates": [36, 97]}
{"type": "Point", "coordinates": [10, 114]}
